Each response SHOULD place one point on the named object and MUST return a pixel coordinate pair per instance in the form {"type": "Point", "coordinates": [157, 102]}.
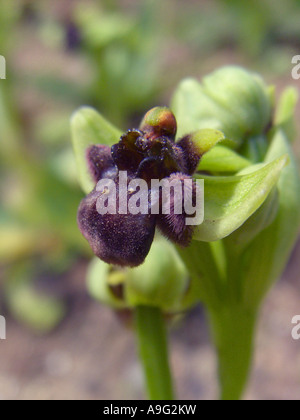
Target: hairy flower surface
{"type": "Point", "coordinates": [147, 153]}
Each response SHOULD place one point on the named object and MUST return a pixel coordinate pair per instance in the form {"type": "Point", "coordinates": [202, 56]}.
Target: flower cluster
{"type": "Point", "coordinates": [147, 153]}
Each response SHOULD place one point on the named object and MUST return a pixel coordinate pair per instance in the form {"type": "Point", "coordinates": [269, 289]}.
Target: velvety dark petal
{"type": "Point", "coordinates": [158, 167]}
{"type": "Point", "coordinates": [163, 151]}
{"type": "Point", "coordinates": [126, 154]}
{"type": "Point", "coordinates": [119, 239]}
{"type": "Point", "coordinates": [150, 168]}
{"type": "Point", "coordinates": [179, 156]}
{"type": "Point", "coordinates": [170, 158]}
{"type": "Point", "coordinates": [191, 154]}
{"type": "Point", "coordinates": [99, 160]}
{"type": "Point", "coordinates": [173, 225]}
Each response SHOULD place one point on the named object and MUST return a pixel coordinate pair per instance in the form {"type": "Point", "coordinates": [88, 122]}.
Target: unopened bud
{"type": "Point", "coordinates": [158, 122]}
{"type": "Point", "coordinates": [161, 281]}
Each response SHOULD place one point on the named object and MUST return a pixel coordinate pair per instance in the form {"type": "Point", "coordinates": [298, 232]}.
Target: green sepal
{"type": "Point", "coordinates": [259, 221]}
{"type": "Point", "coordinates": [222, 160]}
{"type": "Point", "coordinates": [205, 139]}
{"type": "Point", "coordinates": [230, 201]}
{"type": "Point", "coordinates": [88, 128]}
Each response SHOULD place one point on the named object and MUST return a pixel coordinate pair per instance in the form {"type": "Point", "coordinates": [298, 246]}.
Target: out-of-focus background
{"type": "Point", "coordinates": [122, 57]}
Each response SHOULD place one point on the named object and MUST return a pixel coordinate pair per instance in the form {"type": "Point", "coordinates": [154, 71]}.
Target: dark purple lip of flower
{"type": "Point", "coordinates": [123, 240]}
{"type": "Point", "coordinates": [147, 153]}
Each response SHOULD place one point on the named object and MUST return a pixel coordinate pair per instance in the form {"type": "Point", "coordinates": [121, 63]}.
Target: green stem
{"type": "Point", "coordinates": [152, 343]}
{"type": "Point", "coordinates": [233, 332]}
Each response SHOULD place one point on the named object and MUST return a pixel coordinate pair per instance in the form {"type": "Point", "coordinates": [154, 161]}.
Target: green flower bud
{"type": "Point", "coordinates": [230, 99]}
{"type": "Point", "coordinates": [161, 281]}
{"type": "Point", "coordinates": [105, 284]}
{"type": "Point", "coordinates": [159, 121]}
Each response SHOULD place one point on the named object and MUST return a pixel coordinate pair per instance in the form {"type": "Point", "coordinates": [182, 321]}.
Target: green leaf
{"type": "Point", "coordinates": [88, 128]}
{"type": "Point", "coordinates": [220, 160]}
{"type": "Point", "coordinates": [261, 219]}
{"type": "Point", "coordinates": [230, 201]}
{"type": "Point", "coordinates": [265, 258]}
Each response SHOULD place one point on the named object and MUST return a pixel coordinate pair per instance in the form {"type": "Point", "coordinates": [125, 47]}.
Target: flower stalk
{"type": "Point", "coordinates": [153, 351]}
{"type": "Point", "coordinates": [232, 328]}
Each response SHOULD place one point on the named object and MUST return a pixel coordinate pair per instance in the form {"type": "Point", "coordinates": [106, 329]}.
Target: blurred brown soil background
{"type": "Point", "coordinates": [91, 355]}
